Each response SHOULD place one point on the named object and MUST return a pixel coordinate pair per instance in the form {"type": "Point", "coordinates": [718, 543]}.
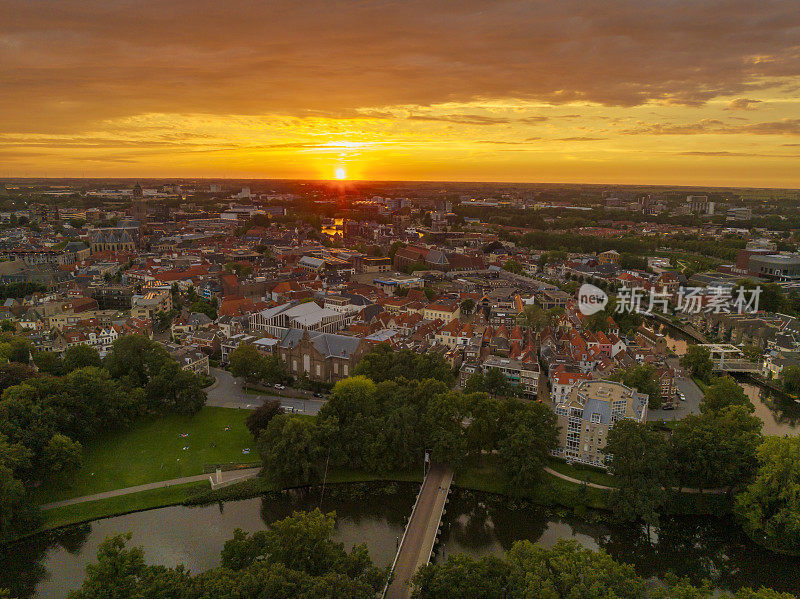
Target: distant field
{"type": "Point", "coordinates": [154, 450]}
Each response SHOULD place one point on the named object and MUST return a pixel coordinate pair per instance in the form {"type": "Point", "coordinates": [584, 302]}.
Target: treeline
{"type": "Point", "coordinates": [20, 289]}
{"type": "Point", "coordinates": [388, 426]}
{"type": "Point", "coordinates": [564, 570]}
{"type": "Point", "coordinates": [724, 249]}
{"type": "Point", "coordinates": [46, 415]}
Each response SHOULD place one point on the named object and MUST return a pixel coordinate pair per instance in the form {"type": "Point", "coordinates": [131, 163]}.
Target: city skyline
{"type": "Point", "coordinates": [668, 93]}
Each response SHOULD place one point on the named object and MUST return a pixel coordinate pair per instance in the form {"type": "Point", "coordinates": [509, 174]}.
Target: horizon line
{"type": "Point", "coordinates": [342, 182]}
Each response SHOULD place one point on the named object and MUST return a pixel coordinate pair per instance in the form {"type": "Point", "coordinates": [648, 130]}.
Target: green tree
{"type": "Point", "coordinates": [768, 509]}
{"type": "Point", "coordinates": [49, 363]}
{"type": "Point", "coordinates": [444, 434]}
{"type": "Point", "coordinates": [16, 350]}
{"type": "Point", "coordinates": [475, 383]}
{"type": "Point", "coordinates": [258, 420]}
{"type": "Point", "coordinates": [63, 455]}
{"type": "Point", "coordinates": [524, 452]}
{"type": "Point", "coordinates": [382, 363]}
{"type": "Point", "coordinates": [81, 356]}
{"type": "Point", "coordinates": [752, 352]}
{"type": "Point", "coordinates": [136, 359]}
{"type": "Point", "coordinates": [724, 392]}
{"type": "Point", "coordinates": [639, 462]}
{"type": "Point", "coordinates": [716, 449]}
{"type": "Point", "coordinates": [698, 361]}
{"type": "Point", "coordinates": [496, 383]}
{"type": "Point", "coordinates": [273, 369]}
{"type": "Point", "coordinates": [462, 576]}
{"type": "Point", "coordinates": [15, 511]}
{"type": "Point", "coordinates": [175, 390]}
{"type": "Point", "coordinates": [537, 318]}
{"type": "Point", "coordinates": [467, 306]}
{"type": "Point", "coordinates": [290, 451]}
{"type": "Point", "coordinates": [568, 569]}
{"type": "Point", "coordinates": [513, 266]}
{"type": "Point", "coordinates": [203, 307]}
{"type": "Point", "coordinates": [14, 373]}
{"type": "Point", "coordinates": [790, 378]}
{"type": "Point", "coordinates": [246, 362]}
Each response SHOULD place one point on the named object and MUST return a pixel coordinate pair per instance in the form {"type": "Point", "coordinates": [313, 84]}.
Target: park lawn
{"type": "Point", "coordinates": [482, 474]}
{"type": "Point", "coordinates": [153, 450]}
{"type": "Point", "coordinates": [114, 506]}
{"type": "Point", "coordinates": [583, 473]}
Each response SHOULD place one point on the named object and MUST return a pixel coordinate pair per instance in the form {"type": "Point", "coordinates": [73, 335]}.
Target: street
{"type": "Point", "coordinates": [227, 392]}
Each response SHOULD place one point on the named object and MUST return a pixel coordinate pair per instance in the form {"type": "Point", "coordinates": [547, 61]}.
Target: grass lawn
{"type": "Point", "coordinates": [703, 386]}
{"type": "Point", "coordinates": [592, 475]}
{"type": "Point", "coordinates": [482, 475]}
{"type": "Point", "coordinates": [153, 450]}
{"type": "Point", "coordinates": [485, 475]}
{"type": "Point", "coordinates": [92, 510]}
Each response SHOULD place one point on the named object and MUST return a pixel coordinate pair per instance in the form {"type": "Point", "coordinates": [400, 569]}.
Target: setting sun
{"type": "Point", "coordinates": [340, 174]}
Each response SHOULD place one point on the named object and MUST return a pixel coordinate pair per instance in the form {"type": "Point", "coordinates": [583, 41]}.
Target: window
{"type": "Point", "coordinates": [345, 369]}
{"type": "Point", "coordinates": [596, 418]}
{"type": "Point", "coordinates": [319, 370]}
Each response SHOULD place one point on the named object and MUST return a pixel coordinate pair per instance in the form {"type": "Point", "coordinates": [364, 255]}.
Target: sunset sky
{"type": "Point", "coordinates": [672, 92]}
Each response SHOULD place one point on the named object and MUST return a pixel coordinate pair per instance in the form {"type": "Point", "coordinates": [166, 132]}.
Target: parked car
{"type": "Point", "coordinates": [277, 386]}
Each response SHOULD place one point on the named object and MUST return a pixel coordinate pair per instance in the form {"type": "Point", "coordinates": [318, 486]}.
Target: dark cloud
{"type": "Point", "coordinates": [737, 154]}
{"type": "Point", "coordinates": [581, 138]}
{"type": "Point", "coordinates": [65, 64]}
{"type": "Point", "coordinates": [743, 104]}
{"type": "Point", "coordinates": [461, 119]}
{"type": "Point", "coordinates": [716, 126]}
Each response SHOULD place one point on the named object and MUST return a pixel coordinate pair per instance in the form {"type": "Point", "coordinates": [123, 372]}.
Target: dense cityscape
{"type": "Point", "coordinates": [336, 299]}
{"type": "Point", "coordinates": [344, 331]}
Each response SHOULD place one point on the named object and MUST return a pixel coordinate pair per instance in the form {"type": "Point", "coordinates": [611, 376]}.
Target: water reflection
{"type": "Point", "coordinates": [50, 565]}
{"type": "Point", "coordinates": [781, 415]}
{"type": "Point", "coordinates": [700, 548]}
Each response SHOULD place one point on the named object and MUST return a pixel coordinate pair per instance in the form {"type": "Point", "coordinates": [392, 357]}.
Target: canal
{"type": "Point", "coordinates": [780, 415]}
{"type": "Point", "coordinates": [49, 565]}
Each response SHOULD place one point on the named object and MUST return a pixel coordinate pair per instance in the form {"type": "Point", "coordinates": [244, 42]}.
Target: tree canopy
{"type": "Point", "coordinates": [769, 509]}
{"type": "Point", "coordinates": [383, 363]}
{"type": "Point", "coordinates": [698, 361]}
{"type": "Point", "coordinates": [529, 571]}
{"type": "Point", "coordinates": [639, 461]}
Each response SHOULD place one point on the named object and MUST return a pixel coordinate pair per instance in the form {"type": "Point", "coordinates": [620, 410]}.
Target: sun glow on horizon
{"type": "Point", "coordinates": [341, 174]}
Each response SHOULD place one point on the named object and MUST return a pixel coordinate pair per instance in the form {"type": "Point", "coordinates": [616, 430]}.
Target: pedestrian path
{"type": "Point", "coordinates": [233, 474]}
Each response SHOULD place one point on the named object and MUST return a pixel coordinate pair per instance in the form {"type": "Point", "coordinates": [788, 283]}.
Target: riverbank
{"type": "Point", "coordinates": [484, 475]}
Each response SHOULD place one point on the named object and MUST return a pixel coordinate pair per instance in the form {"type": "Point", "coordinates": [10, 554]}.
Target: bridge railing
{"type": "Point", "coordinates": [403, 538]}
